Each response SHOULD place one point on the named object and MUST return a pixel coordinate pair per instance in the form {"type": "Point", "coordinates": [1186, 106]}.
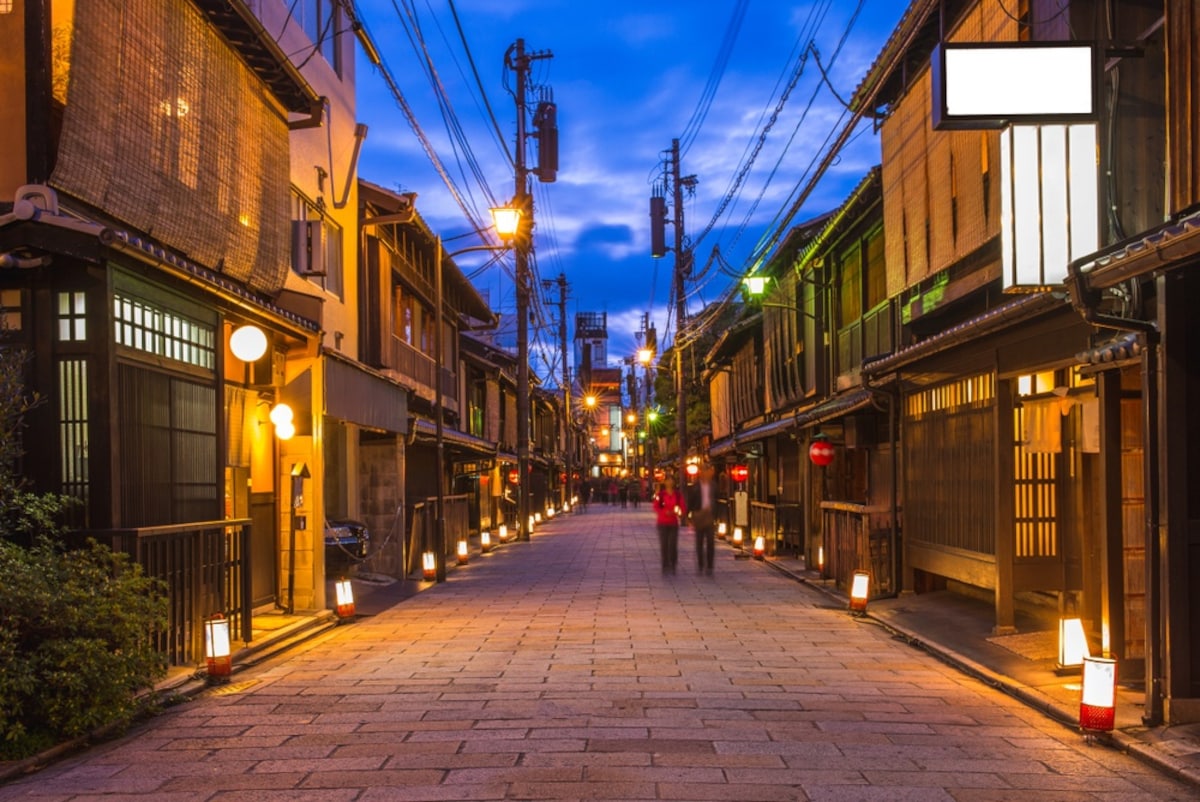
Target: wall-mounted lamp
{"type": "Point", "coordinates": [248, 343]}
{"type": "Point", "coordinates": [217, 652]}
{"type": "Point", "coordinates": [860, 587]}
{"type": "Point", "coordinates": [345, 598]}
{"type": "Point", "coordinates": [282, 416]}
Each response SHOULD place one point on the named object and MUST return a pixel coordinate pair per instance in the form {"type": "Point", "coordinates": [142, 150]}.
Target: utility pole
{"type": "Point", "coordinates": [683, 260]}
{"type": "Point", "coordinates": [565, 430]}
{"type": "Point", "coordinates": [518, 60]}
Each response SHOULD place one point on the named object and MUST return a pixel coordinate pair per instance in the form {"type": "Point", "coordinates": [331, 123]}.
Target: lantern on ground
{"type": "Point", "coordinates": [1098, 697]}
{"type": "Point", "coordinates": [464, 552]}
{"type": "Point", "coordinates": [739, 473]}
{"type": "Point", "coordinates": [737, 536]}
{"type": "Point", "coordinates": [217, 651]}
{"type": "Point", "coordinates": [429, 566]}
{"type": "Point", "coordinates": [722, 530]}
{"type": "Point", "coordinates": [345, 598]}
{"type": "Point", "coordinates": [1072, 645]}
{"type": "Point", "coordinates": [821, 451]}
{"type": "Point", "coordinates": [502, 532]}
{"type": "Point", "coordinates": [760, 547]}
{"type": "Point", "coordinates": [485, 542]}
{"type": "Point", "coordinates": [860, 587]}
{"type": "Point", "coordinates": [821, 561]}
{"type": "Point", "coordinates": [532, 521]}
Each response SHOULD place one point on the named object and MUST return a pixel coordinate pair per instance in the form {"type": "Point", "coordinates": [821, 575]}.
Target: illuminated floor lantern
{"type": "Point", "coordinates": [737, 536]}
{"type": "Point", "coordinates": [1072, 645]}
{"type": "Point", "coordinates": [464, 552]}
{"type": "Point", "coordinates": [345, 598]}
{"type": "Point", "coordinates": [537, 517]}
{"type": "Point", "coordinates": [531, 523]}
{"type": "Point", "coordinates": [485, 542]}
{"type": "Point", "coordinates": [502, 533]}
{"type": "Point", "coordinates": [860, 586]}
{"type": "Point", "coordinates": [1098, 699]}
{"type": "Point", "coordinates": [549, 512]}
{"type": "Point", "coordinates": [821, 561]}
{"type": "Point", "coordinates": [217, 650]}
{"type": "Point", "coordinates": [721, 530]}
{"type": "Point", "coordinates": [429, 566]}
{"type": "Point", "coordinates": [760, 547]}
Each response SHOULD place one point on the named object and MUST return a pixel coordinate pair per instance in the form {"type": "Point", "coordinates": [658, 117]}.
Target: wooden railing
{"type": "Point", "coordinates": [206, 568]}
{"type": "Point", "coordinates": [422, 531]}
{"type": "Point", "coordinates": [855, 537]}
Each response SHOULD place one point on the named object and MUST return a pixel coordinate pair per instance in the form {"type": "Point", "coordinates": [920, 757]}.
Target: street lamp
{"type": "Point", "coordinates": [505, 220]}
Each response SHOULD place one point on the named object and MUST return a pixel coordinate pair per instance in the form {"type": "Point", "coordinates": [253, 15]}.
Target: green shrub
{"type": "Point", "coordinates": [75, 641]}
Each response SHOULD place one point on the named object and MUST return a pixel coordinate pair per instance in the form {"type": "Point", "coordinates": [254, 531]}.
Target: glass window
{"type": "Point", "coordinates": [10, 310]}
{"type": "Point", "coordinates": [72, 317]}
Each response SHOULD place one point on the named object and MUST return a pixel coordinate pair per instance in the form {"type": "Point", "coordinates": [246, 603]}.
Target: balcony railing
{"type": "Point", "coordinates": [420, 368]}
{"type": "Point", "coordinates": [205, 566]}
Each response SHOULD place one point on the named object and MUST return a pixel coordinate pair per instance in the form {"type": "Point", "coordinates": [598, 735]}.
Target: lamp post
{"type": "Point", "coordinates": [505, 221]}
{"type": "Point", "coordinates": [646, 356]}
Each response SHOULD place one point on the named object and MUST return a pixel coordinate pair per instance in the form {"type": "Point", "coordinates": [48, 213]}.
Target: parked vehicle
{"type": "Point", "coordinates": [346, 542]}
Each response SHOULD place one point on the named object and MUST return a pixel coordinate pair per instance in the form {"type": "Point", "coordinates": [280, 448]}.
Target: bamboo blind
{"type": "Point", "coordinates": [167, 131]}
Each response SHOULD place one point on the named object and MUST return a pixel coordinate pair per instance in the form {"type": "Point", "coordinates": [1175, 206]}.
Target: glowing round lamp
{"type": "Point", "coordinates": [428, 566]}
{"type": "Point", "coordinates": [821, 451]}
{"type": "Point", "coordinates": [248, 343]}
{"type": "Point", "coordinates": [281, 413]}
{"type": "Point", "coordinates": [691, 469]}
{"type": "Point", "coordinates": [217, 652]}
{"type": "Point", "coordinates": [514, 476]}
{"type": "Point", "coordinates": [285, 430]}
{"type": "Point", "coordinates": [345, 598]}
{"type": "Point", "coordinates": [739, 473]}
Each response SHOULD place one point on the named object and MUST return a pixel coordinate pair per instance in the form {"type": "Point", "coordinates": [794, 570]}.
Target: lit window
{"type": "Point", "coordinates": [10, 306]}
{"type": "Point", "coordinates": [72, 317]}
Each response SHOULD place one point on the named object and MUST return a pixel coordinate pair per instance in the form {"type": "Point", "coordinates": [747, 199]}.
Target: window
{"type": "Point", "coordinates": [10, 310]}
{"type": "Point", "coordinates": [851, 286]}
{"type": "Point", "coordinates": [72, 317]}
{"type": "Point", "coordinates": [143, 326]}
{"type": "Point", "coordinates": [322, 22]}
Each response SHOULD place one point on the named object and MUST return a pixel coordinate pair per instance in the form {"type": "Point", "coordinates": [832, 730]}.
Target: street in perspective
{"type": "Point", "coordinates": [572, 666]}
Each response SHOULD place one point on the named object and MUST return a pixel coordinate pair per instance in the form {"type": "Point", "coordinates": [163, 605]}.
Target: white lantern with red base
{"type": "Point", "coordinates": [217, 652]}
{"type": "Point", "coordinates": [721, 530]}
{"type": "Point", "coordinates": [429, 566]}
{"type": "Point", "coordinates": [821, 561]}
{"type": "Point", "coordinates": [860, 591]}
{"type": "Point", "coordinates": [345, 598]}
{"type": "Point", "coordinates": [464, 552]}
{"type": "Point", "coordinates": [485, 542]}
{"type": "Point", "coordinates": [1098, 698]}
{"type": "Point", "coordinates": [760, 547]}
{"type": "Point", "coordinates": [502, 533]}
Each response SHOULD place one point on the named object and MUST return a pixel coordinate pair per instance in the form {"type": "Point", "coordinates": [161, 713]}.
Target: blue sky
{"type": "Point", "coordinates": [627, 79]}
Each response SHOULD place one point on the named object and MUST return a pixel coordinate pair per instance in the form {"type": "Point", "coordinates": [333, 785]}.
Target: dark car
{"type": "Point", "coordinates": [346, 542]}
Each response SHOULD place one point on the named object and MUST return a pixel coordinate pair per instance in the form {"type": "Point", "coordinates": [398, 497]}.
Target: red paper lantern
{"type": "Point", "coordinates": [821, 451]}
{"type": "Point", "coordinates": [514, 476]}
{"type": "Point", "coordinates": [691, 469]}
{"type": "Point", "coordinates": [739, 473]}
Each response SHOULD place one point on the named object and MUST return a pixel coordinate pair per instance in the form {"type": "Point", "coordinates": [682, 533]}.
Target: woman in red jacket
{"type": "Point", "coordinates": [669, 510]}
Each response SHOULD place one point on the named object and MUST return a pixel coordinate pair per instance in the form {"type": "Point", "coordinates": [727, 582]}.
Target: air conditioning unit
{"type": "Point", "coordinates": [308, 247]}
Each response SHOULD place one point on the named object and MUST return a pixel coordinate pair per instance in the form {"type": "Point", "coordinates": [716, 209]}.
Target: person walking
{"type": "Point", "coordinates": [669, 508]}
{"type": "Point", "coordinates": [701, 505]}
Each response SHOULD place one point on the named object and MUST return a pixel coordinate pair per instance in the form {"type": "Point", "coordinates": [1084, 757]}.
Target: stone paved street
{"type": "Point", "coordinates": [570, 668]}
